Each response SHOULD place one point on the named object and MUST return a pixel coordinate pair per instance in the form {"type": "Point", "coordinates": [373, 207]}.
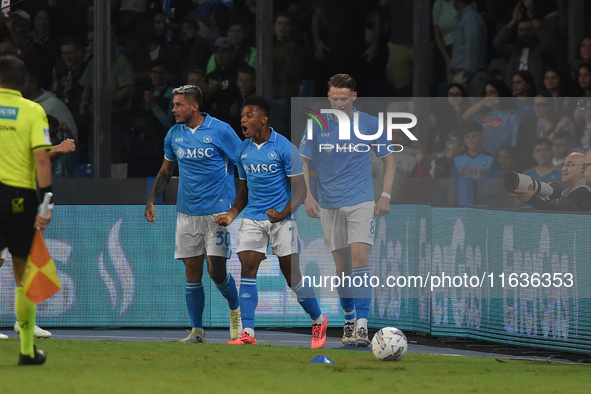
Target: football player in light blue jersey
{"type": "Point", "coordinates": [272, 187]}
{"type": "Point", "coordinates": [345, 192]}
{"type": "Point", "coordinates": [203, 147]}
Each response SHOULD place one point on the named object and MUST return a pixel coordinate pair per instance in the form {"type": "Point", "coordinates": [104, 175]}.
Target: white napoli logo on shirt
{"type": "Point", "coordinates": [180, 153]}
{"type": "Point", "coordinates": [207, 139]}
{"type": "Point", "coordinates": [272, 155]}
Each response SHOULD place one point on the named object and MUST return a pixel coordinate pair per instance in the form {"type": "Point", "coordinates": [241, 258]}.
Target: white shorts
{"type": "Point", "coordinates": [257, 235]}
{"type": "Point", "coordinates": [198, 235]}
{"type": "Point", "coordinates": [347, 225]}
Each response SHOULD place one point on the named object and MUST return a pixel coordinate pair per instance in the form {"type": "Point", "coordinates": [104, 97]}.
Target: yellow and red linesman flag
{"type": "Point", "coordinates": [40, 280]}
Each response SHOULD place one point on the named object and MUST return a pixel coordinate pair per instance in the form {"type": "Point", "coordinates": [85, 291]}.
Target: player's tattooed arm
{"type": "Point", "coordinates": [162, 180]}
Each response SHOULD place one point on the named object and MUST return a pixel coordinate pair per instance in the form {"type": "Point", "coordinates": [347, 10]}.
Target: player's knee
{"type": "Point", "coordinates": [360, 257]}
{"type": "Point", "coordinates": [249, 269]}
{"type": "Point", "coordinates": [217, 274]}
{"type": "Point", "coordinates": [194, 274]}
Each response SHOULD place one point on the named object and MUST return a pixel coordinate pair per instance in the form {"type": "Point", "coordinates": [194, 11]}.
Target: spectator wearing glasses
{"type": "Point", "coordinates": [573, 178]}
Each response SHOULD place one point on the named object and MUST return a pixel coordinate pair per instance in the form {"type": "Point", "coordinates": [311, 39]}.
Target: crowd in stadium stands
{"type": "Point", "coordinates": [502, 64]}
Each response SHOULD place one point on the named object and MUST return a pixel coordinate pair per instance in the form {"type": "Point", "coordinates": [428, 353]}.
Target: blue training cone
{"type": "Point", "coordinates": [322, 360]}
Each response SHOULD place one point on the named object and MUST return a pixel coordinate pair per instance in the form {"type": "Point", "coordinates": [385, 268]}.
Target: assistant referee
{"type": "Point", "coordinates": [24, 163]}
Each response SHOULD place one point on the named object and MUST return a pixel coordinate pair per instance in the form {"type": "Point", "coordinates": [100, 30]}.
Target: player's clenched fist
{"type": "Point", "coordinates": [274, 216]}
{"type": "Point", "coordinates": [225, 219]}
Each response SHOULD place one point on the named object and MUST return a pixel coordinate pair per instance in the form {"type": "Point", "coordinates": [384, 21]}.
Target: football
{"type": "Point", "coordinates": [389, 344]}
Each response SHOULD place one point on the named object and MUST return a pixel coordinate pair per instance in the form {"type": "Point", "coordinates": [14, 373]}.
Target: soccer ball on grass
{"type": "Point", "coordinates": [389, 344]}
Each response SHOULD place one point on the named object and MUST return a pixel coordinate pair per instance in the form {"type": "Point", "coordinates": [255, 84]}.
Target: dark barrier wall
{"type": "Point", "coordinates": [502, 276]}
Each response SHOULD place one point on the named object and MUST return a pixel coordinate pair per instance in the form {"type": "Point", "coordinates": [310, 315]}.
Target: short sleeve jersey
{"type": "Point", "coordinates": [480, 166]}
{"type": "Point", "coordinates": [205, 159]}
{"type": "Point", "coordinates": [23, 131]}
{"type": "Point", "coordinates": [266, 169]}
{"type": "Point", "coordinates": [500, 127]}
{"type": "Point", "coordinates": [553, 174]}
{"type": "Point", "coordinates": [344, 174]}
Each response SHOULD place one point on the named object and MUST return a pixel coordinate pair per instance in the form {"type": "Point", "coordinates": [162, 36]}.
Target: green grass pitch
{"type": "Point", "coordinates": [165, 367]}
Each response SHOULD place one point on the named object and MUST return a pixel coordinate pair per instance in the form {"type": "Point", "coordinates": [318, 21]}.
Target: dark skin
{"type": "Point", "coordinates": [255, 125]}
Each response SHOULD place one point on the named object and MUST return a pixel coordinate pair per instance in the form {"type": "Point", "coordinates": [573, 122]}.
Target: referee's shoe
{"type": "Point", "coordinates": [39, 358]}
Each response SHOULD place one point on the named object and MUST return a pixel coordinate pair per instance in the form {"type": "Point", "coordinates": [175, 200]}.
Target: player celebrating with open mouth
{"type": "Point", "coordinates": [272, 187]}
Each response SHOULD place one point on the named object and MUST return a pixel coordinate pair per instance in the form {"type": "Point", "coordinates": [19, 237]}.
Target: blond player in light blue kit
{"type": "Point", "coordinates": [203, 147]}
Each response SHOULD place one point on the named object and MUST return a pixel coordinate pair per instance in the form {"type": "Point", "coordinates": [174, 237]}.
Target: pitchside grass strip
{"type": "Point", "coordinates": [166, 367]}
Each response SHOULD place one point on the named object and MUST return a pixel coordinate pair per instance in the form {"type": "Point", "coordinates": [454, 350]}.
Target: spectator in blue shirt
{"type": "Point", "coordinates": [544, 169]}
{"type": "Point", "coordinates": [497, 113]}
{"type": "Point", "coordinates": [475, 163]}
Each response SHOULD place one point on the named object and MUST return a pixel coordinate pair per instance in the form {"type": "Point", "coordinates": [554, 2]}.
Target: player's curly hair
{"type": "Point", "coordinates": [342, 81]}
{"type": "Point", "coordinates": [259, 101]}
{"type": "Point", "coordinates": [192, 91]}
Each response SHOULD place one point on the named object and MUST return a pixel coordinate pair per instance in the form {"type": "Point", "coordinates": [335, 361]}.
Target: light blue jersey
{"type": "Point", "coordinates": [344, 176]}
{"type": "Point", "coordinates": [500, 127]}
{"type": "Point", "coordinates": [553, 174]}
{"type": "Point", "coordinates": [480, 166]}
{"type": "Point", "coordinates": [205, 159]}
{"type": "Point", "coordinates": [266, 169]}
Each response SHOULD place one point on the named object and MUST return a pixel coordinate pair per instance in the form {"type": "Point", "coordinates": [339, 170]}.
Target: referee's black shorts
{"type": "Point", "coordinates": [18, 210]}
